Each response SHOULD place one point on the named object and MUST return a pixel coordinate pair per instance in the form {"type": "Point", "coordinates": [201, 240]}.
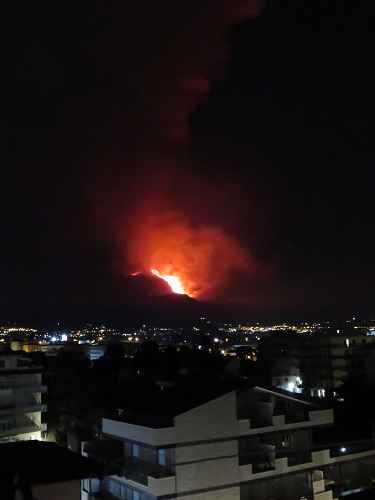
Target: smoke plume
{"type": "Point", "coordinates": [163, 212]}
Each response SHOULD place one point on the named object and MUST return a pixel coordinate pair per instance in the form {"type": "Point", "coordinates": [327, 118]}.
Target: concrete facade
{"type": "Point", "coordinates": [21, 404]}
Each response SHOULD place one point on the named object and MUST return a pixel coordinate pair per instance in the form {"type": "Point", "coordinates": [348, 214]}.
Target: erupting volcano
{"type": "Point", "coordinates": [173, 281]}
{"type": "Point", "coordinates": [194, 259]}
{"type": "Point", "coordinates": [170, 214]}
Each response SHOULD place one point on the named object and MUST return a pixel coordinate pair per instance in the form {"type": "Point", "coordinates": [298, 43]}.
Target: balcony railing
{"type": "Point", "coordinates": [102, 495]}
{"type": "Point", "coordinates": [15, 430]}
{"type": "Point", "coordinates": [136, 475]}
{"type": "Point", "coordinates": [295, 457]}
{"type": "Point", "coordinates": [263, 467]}
{"type": "Point", "coordinates": [139, 471]}
{"type": "Point", "coordinates": [29, 388]}
{"type": "Point", "coordinates": [262, 458]}
{"type": "Point", "coordinates": [16, 410]}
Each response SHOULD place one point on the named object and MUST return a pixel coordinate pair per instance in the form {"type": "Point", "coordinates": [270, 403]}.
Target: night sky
{"type": "Point", "coordinates": [229, 141]}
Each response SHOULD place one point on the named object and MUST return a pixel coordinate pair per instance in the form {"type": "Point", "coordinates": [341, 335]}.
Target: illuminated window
{"type": "Point", "coordinates": [161, 457]}
{"type": "Point", "coordinates": [135, 451]}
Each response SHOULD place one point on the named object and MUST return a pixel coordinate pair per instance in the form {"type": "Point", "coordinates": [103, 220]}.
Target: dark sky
{"type": "Point", "coordinates": [246, 137]}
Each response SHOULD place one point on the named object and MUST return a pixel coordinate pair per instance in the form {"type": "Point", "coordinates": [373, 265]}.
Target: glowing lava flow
{"type": "Point", "coordinates": [172, 281]}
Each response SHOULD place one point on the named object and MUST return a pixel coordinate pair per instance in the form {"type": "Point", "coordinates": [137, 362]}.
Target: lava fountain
{"type": "Point", "coordinates": [173, 281]}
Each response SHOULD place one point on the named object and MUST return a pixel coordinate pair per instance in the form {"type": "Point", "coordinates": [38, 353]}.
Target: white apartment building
{"type": "Point", "coordinates": [21, 391]}
{"type": "Point", "coordinates": [248, 444]}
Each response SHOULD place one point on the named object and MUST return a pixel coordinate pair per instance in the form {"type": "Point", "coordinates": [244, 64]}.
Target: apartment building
{"type": "Point", "coordinates": [317, 363]}
{"type": "Point", "coordinates": [256, 442]}
{"type": "Point", "coordinates": [327, 360]}
{"type": "Point", "coordinates": [21, 392]}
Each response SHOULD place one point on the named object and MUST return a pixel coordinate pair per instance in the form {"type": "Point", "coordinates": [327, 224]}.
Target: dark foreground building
{"type": "Point", "coordinates": [253, 443]}
{"type": "Point", "coordinates": [42, 471]}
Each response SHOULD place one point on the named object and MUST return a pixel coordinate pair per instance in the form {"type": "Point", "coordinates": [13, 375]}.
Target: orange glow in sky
{"type": "Point", "coordinates": [173, 281]}
{"type": "Point", "coordinates": [197, 260]}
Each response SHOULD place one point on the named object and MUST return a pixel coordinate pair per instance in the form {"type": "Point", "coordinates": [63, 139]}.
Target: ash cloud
{"type": "Point", "coordinates": [163, 212]}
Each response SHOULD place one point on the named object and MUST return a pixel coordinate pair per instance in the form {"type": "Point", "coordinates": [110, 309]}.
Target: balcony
{"type": "Point", "coordinates": [260, 456]}
{"type": "Point", "coordinates": [26, 429]}
{"type": "Point", "coordinates": [16, 410]}
{"type": "Point", "coordinates": [317, 417]}
{"type": "Point", "coordinates": [150, 477]}
{"type": "Point", "coordinates": [102, 495]}
{"type": "Point", "coordinates": [294, 457]}
{"type": "Point", "coordinates": [138, 471]}
{"type": "Point", "coordinates": [135, 468]}
{"type": "Point", "coordinates": [29, 389]}
{"type": "Point", "coordinates": [155, 436]}
{"type": "Point", "coordinates": [154, 486]}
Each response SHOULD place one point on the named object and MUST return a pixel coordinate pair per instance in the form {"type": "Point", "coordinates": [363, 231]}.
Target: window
{"type": "Point", "coordinates": [5, 363]}
{"type": "Point", "coordinates": [5, 383]}
{"type": "Point", "coordinates": [136, 495]}
{"type": "Point", "coordinates": [22, 362]}
{"type": "Point", "coordinates": [286, 441]}
{"type": "Point", "coordinates": [5, 424]}
{"type": "Point", "coordinates": [114, 488]}
{"type": "Point", "coordinates": [161, 457]}
{"type": "Point", "coordinates": [135, 451]}
{"type": "Point", "coordinates": [86, 485]}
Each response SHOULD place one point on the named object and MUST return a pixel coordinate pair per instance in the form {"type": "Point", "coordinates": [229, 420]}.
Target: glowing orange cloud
{"type": "Point", "coordinates": [193, 259]}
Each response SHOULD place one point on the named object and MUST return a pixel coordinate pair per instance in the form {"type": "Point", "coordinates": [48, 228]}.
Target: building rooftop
{"type": "Point", "coordinates": [292, 396]}
{"type": "Point", "coordinates": [158, 409]}
{"type": "Point", "coordinates": [163, 405]}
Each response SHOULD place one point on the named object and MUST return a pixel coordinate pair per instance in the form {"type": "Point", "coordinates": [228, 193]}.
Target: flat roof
{"type": "Point", "coordinates": [160, 407]}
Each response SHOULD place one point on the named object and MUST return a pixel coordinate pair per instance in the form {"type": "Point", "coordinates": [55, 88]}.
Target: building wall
{"type": "Point", "coordinates": [20, 395]}
{"type": "Point", "coordinates": [207, 450]}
